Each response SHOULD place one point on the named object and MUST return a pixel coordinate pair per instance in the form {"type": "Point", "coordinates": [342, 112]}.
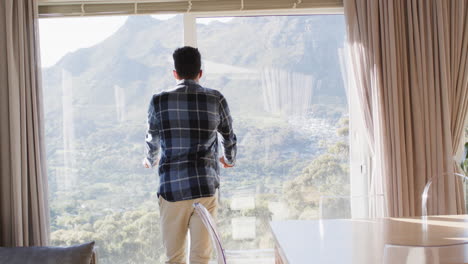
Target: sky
{"type": "Point", "coordinates": [58, 36]}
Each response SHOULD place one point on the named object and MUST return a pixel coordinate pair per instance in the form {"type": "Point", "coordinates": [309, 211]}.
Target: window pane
{"type": "Point", "coordinates": [282, 77]}
{"type": "Point", "coordinates": [96, 100]}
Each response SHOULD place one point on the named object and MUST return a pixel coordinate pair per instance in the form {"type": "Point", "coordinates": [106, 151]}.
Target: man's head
{"type": "Point", "coordinates": [187, 63]}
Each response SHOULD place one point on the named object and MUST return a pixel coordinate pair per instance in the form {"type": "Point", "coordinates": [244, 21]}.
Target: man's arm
{"type": "Point", "coordinates": [229, 139]}
{"type": "Point", "coordinates": [152, 137]}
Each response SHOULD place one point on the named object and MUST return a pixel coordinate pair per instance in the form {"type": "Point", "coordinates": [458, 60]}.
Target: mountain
{"type": "Point", "coordinates": [137, 58]}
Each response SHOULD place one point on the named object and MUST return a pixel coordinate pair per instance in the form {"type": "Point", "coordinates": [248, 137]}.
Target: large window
{"type": "Point", "coordinates": [282, 77]}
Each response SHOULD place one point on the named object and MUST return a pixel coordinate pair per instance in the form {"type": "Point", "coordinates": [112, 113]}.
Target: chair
{"type": "Point", "coordinates": [339, 206]}
{"type": "Point", "coordinates": [424, 196]}
{"type": "Point", "coordinates": [450, 254]}
{"type": "Point", "coordinates": [211, 227]}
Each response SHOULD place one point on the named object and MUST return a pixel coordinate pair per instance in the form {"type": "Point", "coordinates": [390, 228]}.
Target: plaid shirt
{"type": "Point", "coordinates": [184, 123]}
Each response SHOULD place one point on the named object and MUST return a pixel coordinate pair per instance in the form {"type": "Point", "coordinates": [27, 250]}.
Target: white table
{"type": "Point", "coordinates": [361, 241]}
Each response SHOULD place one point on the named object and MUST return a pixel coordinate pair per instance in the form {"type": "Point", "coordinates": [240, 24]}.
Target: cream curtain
{"type": "Point", "coordinates": [410, 63]}
{"type": "Point", "coordinates": [23, 183]}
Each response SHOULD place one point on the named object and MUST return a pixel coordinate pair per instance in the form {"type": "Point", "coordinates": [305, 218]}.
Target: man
{"type": "Point", "coordinates": [184, 123]}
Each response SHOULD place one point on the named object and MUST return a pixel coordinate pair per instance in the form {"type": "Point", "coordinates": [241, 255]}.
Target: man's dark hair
{"type": "Point", "coordinates": [187, 62]}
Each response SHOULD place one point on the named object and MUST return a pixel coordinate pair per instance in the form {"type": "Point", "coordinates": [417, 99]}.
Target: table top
{"type": "Point", "coordinates": [363, 240]}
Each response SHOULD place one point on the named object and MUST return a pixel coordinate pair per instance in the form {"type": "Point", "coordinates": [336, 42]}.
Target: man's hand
{"type": "Point", "coordinates": [224, 163]}
{"type": "Point", "coordinates": [147, 164]}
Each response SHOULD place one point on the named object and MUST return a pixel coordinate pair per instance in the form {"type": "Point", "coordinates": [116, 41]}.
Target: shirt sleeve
{"type": "Point", "coordinates": [229, 139]}
{"type": "Point", "coordinates": [153, 141]}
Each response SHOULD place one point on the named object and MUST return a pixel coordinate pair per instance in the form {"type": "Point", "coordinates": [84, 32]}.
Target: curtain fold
{"type": "Point", "coordinates": [24, 213]}
{"type": "Point", "coordinates": [410, 61]}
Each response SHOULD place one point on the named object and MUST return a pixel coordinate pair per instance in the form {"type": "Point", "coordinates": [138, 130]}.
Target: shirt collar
{"type": "Point", "coordinates": [187, 81]}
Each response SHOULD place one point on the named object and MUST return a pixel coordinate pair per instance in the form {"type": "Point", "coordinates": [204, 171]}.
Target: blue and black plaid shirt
{"type": "Point", "coordinates": [184, 123]}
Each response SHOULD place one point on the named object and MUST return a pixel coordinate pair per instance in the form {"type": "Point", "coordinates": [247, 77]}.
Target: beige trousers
{"type": "Point", "coordinates": [177, 218]}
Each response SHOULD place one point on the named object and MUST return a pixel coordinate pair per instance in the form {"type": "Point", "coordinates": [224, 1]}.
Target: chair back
{"type": "Point", "coordinates": [429, 184]}
{"type": "Point", "coordinates": [448, 254]}
{"type": "Point", "coordinates": [212, 230]}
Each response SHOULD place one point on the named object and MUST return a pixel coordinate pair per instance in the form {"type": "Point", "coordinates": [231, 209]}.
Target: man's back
{"type": "Point", "coordinates": [185, 122]}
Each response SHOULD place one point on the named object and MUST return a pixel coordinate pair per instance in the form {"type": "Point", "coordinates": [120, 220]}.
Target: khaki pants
{"type": "Point", "coordinates": [177, 218]}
